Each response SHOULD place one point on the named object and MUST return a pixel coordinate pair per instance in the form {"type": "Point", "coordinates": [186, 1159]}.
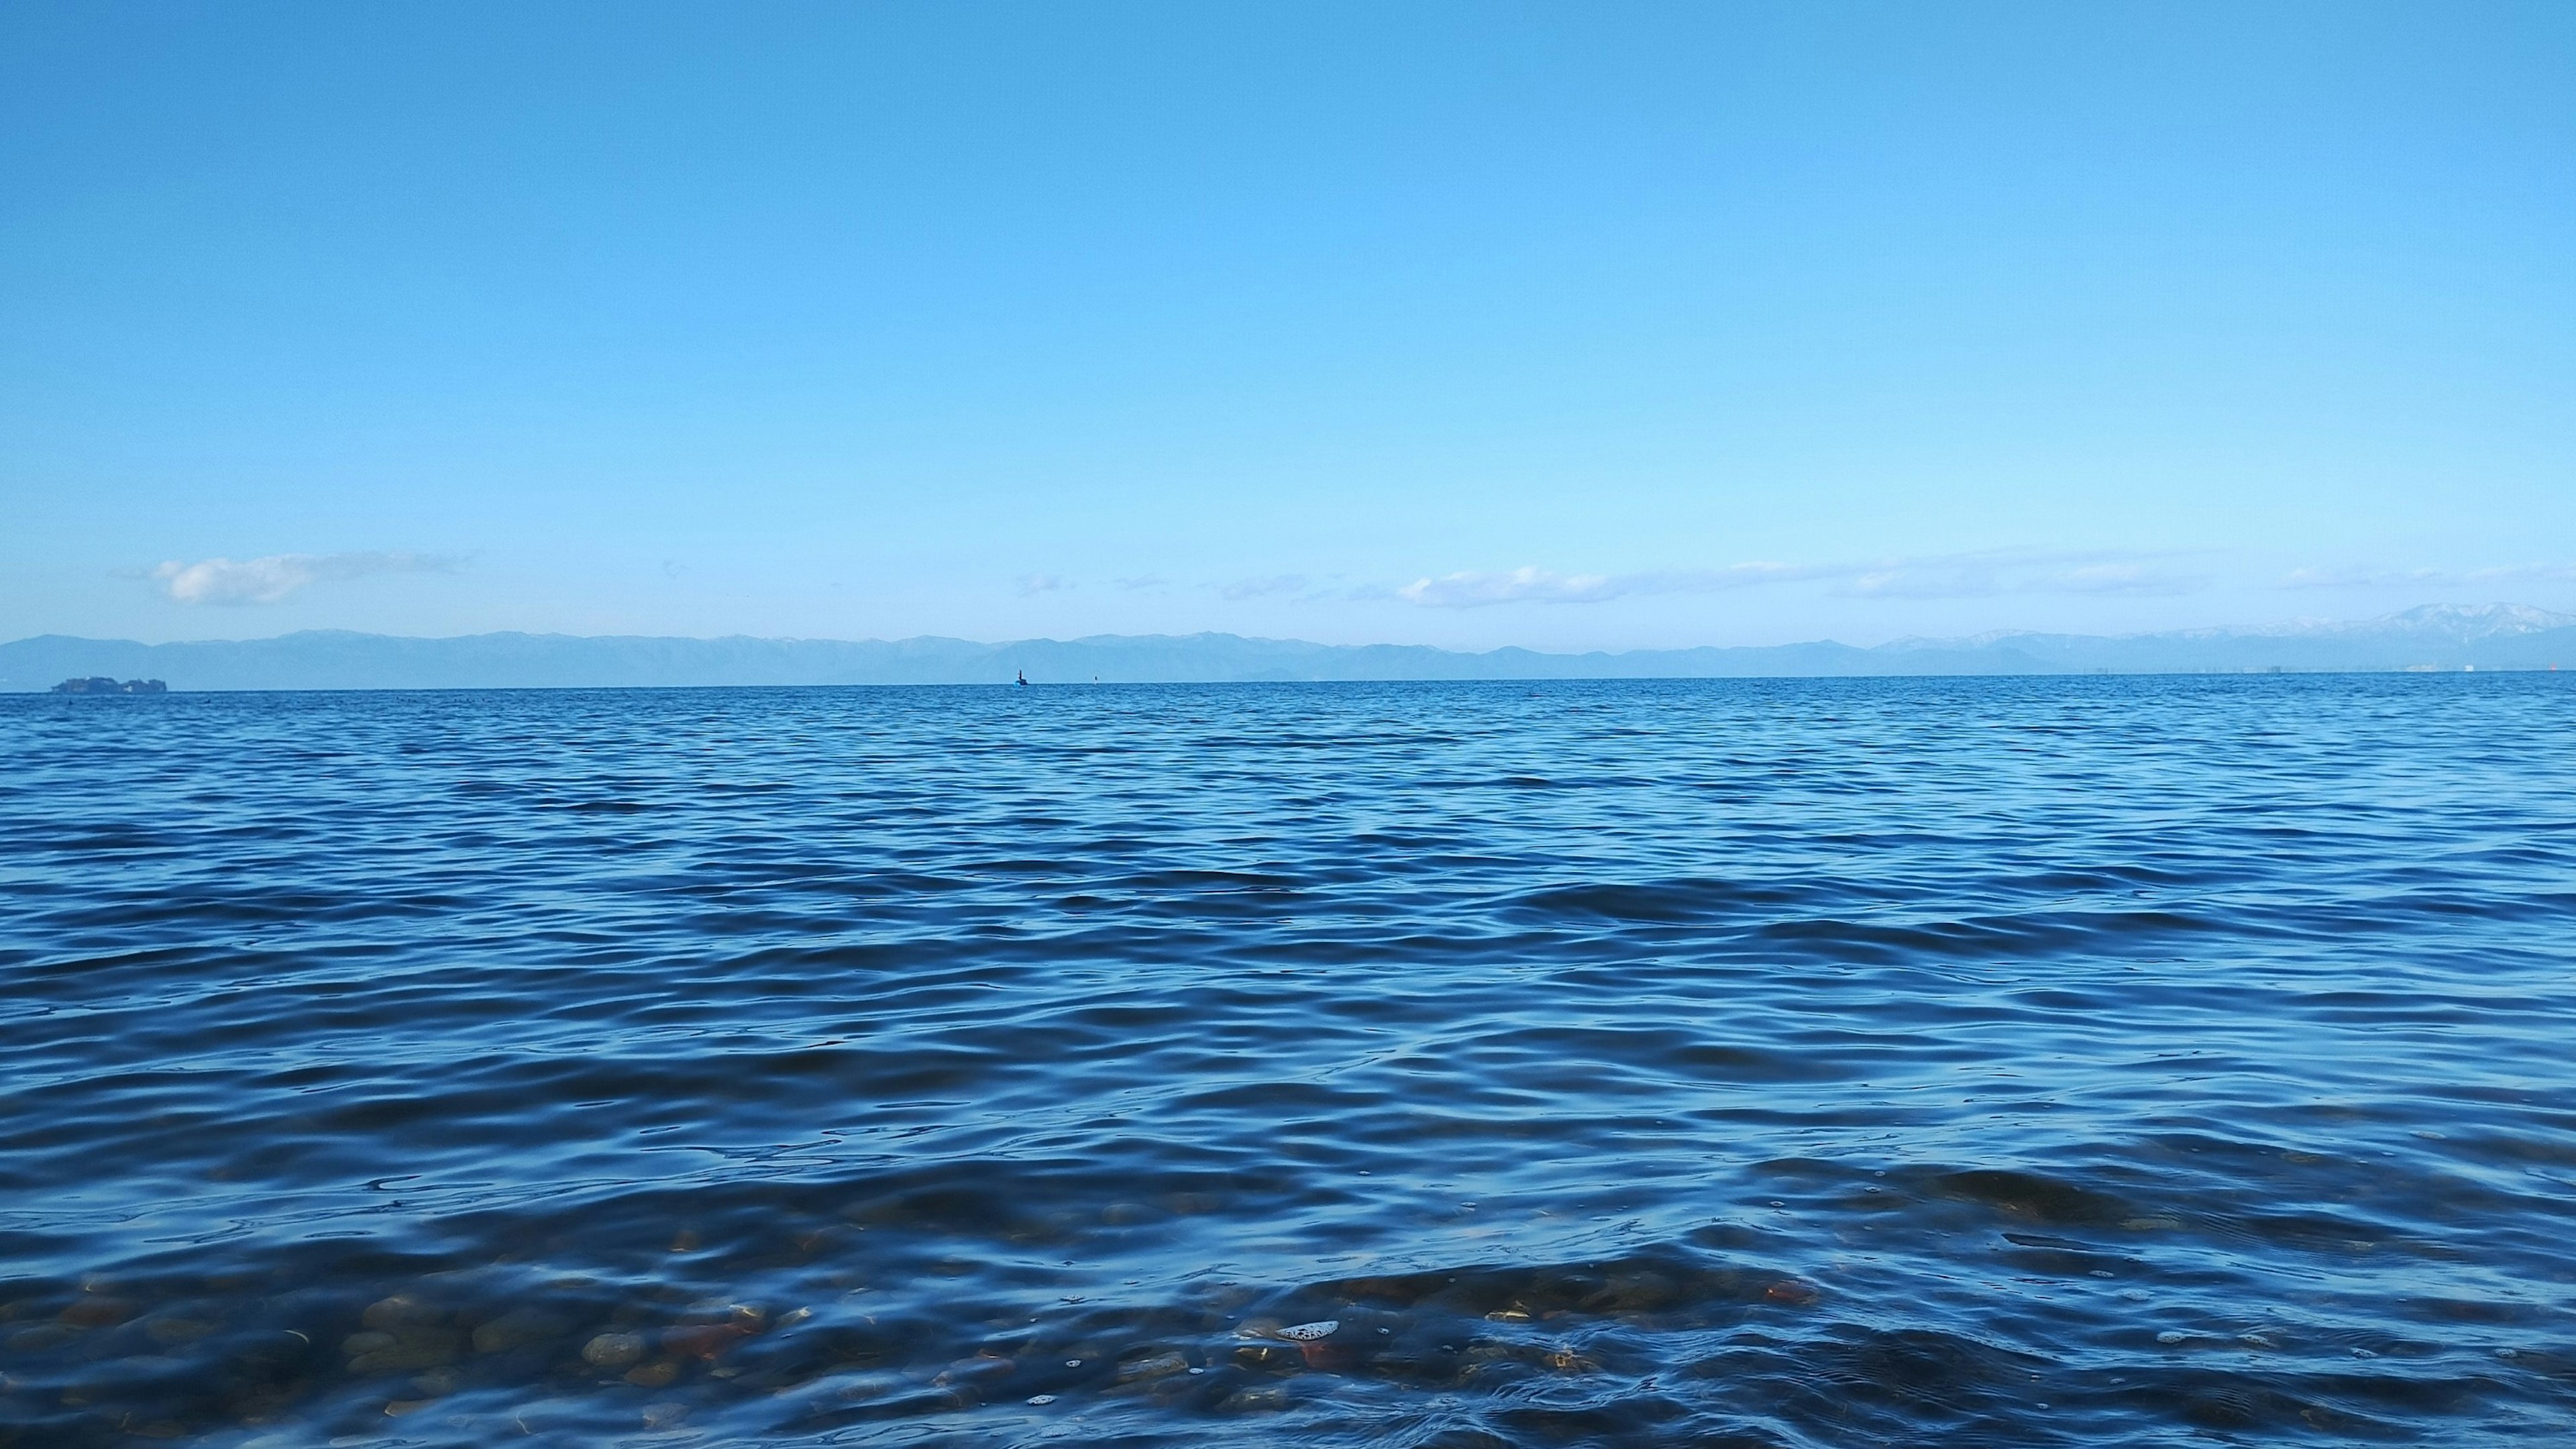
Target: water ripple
{"type": "Point", "coordinates": [1832, 1063]}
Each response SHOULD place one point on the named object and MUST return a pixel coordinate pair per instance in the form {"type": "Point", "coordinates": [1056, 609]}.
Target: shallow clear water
{"type": "Point", "coordinates": [2057, 1061]}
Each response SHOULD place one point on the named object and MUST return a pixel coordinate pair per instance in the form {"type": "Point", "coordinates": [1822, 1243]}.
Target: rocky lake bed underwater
{"type": "Point", "coordinates": [2082, 1061]}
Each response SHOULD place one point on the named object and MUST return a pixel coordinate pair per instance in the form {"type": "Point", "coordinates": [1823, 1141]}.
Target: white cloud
{"type": "Point", "coordinates": [280, 575]}
{"type": "Point", "coordinates": [1263, 588]}
{"type": "Point", "coordinates": [1042, 584]}
{"type": "Point", "coordinates": [1474, 590]}
{"type": "Point", "coordinates": [1945, 576]}
{"type": "Point", "coordinates": [2006, 571]}
{"type": "Point", "coordinates": [2358, 576]}
{"type": "Point", "coordinates": [1536, 585]}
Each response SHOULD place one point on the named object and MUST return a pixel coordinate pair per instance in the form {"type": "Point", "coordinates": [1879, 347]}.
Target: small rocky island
{"type": "Point", "coordinates": [101, 684]}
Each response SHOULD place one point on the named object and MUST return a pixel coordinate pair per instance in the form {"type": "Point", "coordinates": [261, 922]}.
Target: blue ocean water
{"type": "Point", "coordinates": [1817, 1063]}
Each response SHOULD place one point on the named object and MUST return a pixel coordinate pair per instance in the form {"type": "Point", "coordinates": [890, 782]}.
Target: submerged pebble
{"type": "Point", "coordinates": [2009, 988]}
{"type": "Point", "coordinates": [975, 1370]}
{"type": "Point", "coordinates": [176, 1330]}
{"type": "Point", "coordinates": [1268, 1356]}
{"type": "Point", "coordinates": [1257, 1399]}
{"type": "Point", "coordinates": [613, 1350]}
{"type": "Point", "coordinates": [398, 1312]}
{"type": "Point", "coordinates": [661, 1373]}
{"type": "Point", "coordinates": [1151, 1366]}
{"type": "Point", "coordinates": [517, 1329]}
{"type": "Point", "coordinates": [98, 1311]}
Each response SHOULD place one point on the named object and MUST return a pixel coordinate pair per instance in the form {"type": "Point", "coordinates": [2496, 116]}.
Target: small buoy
{"type": "Point", "coordinates": [1309, 1332]}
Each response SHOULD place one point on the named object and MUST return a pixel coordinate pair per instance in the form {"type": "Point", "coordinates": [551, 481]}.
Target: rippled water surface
{"type": "Point", "coordinates": [1964, 1062]}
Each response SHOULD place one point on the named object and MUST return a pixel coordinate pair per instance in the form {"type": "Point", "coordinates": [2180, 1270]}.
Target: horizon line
{"type": "Point", "coordinates": [1979, 639]}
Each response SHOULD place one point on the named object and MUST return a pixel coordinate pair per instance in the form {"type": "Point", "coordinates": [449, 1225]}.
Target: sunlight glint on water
{"type": "Point", "coordinates": [2061, 1061]}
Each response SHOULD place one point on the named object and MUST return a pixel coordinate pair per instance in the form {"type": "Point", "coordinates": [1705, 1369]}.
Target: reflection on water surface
{"type": "Point", "coordinates": [2099, 1062]}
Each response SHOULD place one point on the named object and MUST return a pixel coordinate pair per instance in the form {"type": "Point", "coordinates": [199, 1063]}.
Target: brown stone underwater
{"type": "Point", "coordinates": [2101, 1062]}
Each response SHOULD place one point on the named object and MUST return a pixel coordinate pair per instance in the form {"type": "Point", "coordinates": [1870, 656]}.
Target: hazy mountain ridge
{"type": "Point", "coordinates": [2441, 636]}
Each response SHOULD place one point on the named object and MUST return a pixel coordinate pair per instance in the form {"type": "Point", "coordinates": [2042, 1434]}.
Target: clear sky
{"type": "Point", "coordinates": [1582, 325]}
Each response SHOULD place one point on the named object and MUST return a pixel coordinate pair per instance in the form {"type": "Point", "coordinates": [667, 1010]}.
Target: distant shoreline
{"type": "Point", "coordinates": [1068, 684]}
{"type": "Point", "coordinates": [2435, 639]}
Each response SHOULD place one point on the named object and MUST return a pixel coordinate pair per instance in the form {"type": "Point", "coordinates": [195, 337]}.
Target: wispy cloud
{"type": "Point", "coordinates": [1537, 585]}
{"type": "Point", "coordinates": [282, 575]}
{"type": "Point", "coordinates": [1934, 577]}
{"type": "Point", "coordinates": [2012, 571]}
{"type": "Point", "coordinates": [1264, 588]}
{"type": "Point", "coordinates": [1042, 584]}
{"type": "Point", "coordinates": [1475, 590]}
{"type": "Point", "coordinates": [1149, 581]}
{"type": "Point", "coordinates": [2362, 576]}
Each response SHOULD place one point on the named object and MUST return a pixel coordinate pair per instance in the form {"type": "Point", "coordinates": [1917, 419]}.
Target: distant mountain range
{"type": "Point", "coordinates": [2436, 637]}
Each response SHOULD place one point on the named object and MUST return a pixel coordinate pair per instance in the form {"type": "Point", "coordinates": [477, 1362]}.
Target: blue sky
{"type": "Point", "coordinates": [1567, 326]}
